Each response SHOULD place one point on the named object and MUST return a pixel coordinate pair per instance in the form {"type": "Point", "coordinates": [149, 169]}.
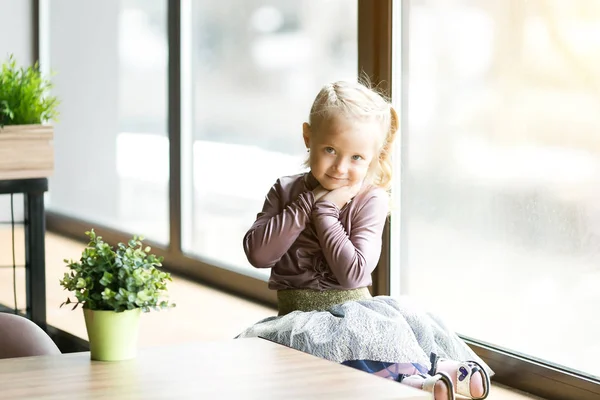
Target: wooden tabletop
{"type": "Point", "coordinates": [234, 369]}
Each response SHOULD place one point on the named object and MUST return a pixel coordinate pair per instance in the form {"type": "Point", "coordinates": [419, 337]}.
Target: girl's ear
{"type": "Point", "coordinates": [306, 134]}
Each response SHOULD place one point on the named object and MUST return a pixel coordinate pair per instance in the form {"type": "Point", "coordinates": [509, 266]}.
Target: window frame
{"type": "Point", "coordinates": [375, 22]}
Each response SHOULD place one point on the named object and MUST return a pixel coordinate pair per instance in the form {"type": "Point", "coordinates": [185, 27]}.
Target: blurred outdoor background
{"type": "Point", "coordinates": [498, 170]}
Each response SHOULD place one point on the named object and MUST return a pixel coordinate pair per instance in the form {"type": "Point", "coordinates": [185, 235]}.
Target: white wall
{"type": "Point", "coordinates": [16, 30]}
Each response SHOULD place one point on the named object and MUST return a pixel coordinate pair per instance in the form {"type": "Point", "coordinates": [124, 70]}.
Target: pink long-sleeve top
{"type": "Point", "coordinates": [315, 245]}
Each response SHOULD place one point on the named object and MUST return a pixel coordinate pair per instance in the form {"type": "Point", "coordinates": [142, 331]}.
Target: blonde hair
{"type": "Point", "coordinates": [360, 100]}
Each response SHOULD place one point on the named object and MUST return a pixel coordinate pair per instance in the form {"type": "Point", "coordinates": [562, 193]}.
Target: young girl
{"type": "Point", "coordinates": [320, 232]}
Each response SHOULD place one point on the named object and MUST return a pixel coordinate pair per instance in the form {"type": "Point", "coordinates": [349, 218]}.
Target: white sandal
{"type": "Point", "coordinates": [463, 379]}
{"type": "Point", "coordinates": [466, 369]}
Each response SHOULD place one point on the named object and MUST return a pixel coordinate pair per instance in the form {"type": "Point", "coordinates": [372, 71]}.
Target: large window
{"type": "Point", "coordinates": [501, 172]}
{"type": "Point", "coordinates": [111, 145]}
{"type": "Point", "coordinates": [256, 68]}
{"type": "Point", "coordinates": [496, 224]}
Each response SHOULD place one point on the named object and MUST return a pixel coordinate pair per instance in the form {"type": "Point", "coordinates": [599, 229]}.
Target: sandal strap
{"type": "Point", "coordinates": [463, 379]}
{"type": "Point", "coordinates": [430, 381]}
{"type": "Point", "coordinates": [433, 359]}
{"type": "Point", "coordinates": [476, 367]}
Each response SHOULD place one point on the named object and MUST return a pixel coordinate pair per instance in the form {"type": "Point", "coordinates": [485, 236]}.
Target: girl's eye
{"type": "Point", "coordinates": [329, 150]}
{"type": "Point", "coordinates": [356, 158]}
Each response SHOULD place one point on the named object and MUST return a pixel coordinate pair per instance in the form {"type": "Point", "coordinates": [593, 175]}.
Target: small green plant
{"type": "Point", "coordinates": [24, 95]}
{"type": "Point", "coordinates": [117, 280]}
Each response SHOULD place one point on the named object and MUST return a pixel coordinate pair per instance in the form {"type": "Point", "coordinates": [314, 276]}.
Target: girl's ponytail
{"type": "Point", "coordinates": [385, 168]}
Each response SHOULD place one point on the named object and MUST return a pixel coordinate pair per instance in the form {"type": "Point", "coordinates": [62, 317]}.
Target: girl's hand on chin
{"type": "Point", "coordinates": [341, 196]}
{"type": "Point", "coordinates": [319, 192]}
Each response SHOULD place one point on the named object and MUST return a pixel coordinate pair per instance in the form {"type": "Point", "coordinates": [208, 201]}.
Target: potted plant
{"type": "Point", "coordinates": [25, 105]}
{"type": "Point", "coordinates": [113, 286]}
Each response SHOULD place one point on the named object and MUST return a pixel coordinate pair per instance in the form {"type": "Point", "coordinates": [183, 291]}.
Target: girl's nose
{"type": "Point", "coordinates": [341, 166]}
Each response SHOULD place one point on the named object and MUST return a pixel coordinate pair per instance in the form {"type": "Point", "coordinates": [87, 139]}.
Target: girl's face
{"type": "Point", "coordinates": [342, 150]}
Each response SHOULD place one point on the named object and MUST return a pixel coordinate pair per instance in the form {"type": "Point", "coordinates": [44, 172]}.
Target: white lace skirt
{"type": "Point", "coordinates": [377, 329]}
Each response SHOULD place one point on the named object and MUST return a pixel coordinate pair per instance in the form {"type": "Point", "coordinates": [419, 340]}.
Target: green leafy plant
{"type": "Point", "coordinates": [24, 95]}
{"type": "Point", "coordinates": [117, 280]}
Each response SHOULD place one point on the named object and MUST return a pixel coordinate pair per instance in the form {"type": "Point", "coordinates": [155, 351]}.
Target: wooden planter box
{"type": "Point", "coordinates": [26, 151]}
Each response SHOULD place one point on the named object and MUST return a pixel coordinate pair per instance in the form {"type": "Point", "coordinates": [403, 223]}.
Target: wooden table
{"type": "Point", "coordinates": [234, 369]}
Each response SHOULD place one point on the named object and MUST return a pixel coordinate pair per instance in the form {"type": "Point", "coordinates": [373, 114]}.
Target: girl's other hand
{"type": "Point", "coordinates": [319, 192]}
{"type": "Point", "coordinates": [341, 196]}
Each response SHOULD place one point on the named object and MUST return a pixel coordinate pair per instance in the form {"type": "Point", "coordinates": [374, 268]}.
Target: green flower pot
{"type": "Point", "coordinates": [113, 336]}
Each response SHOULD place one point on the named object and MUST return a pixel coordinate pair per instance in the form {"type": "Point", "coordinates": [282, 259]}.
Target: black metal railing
{"type": "Point", "coordinates": [34, 226]}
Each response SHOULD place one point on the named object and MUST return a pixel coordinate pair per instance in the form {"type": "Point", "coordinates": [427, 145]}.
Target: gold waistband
{"type": "Point", "coordinates": [289, 300]}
